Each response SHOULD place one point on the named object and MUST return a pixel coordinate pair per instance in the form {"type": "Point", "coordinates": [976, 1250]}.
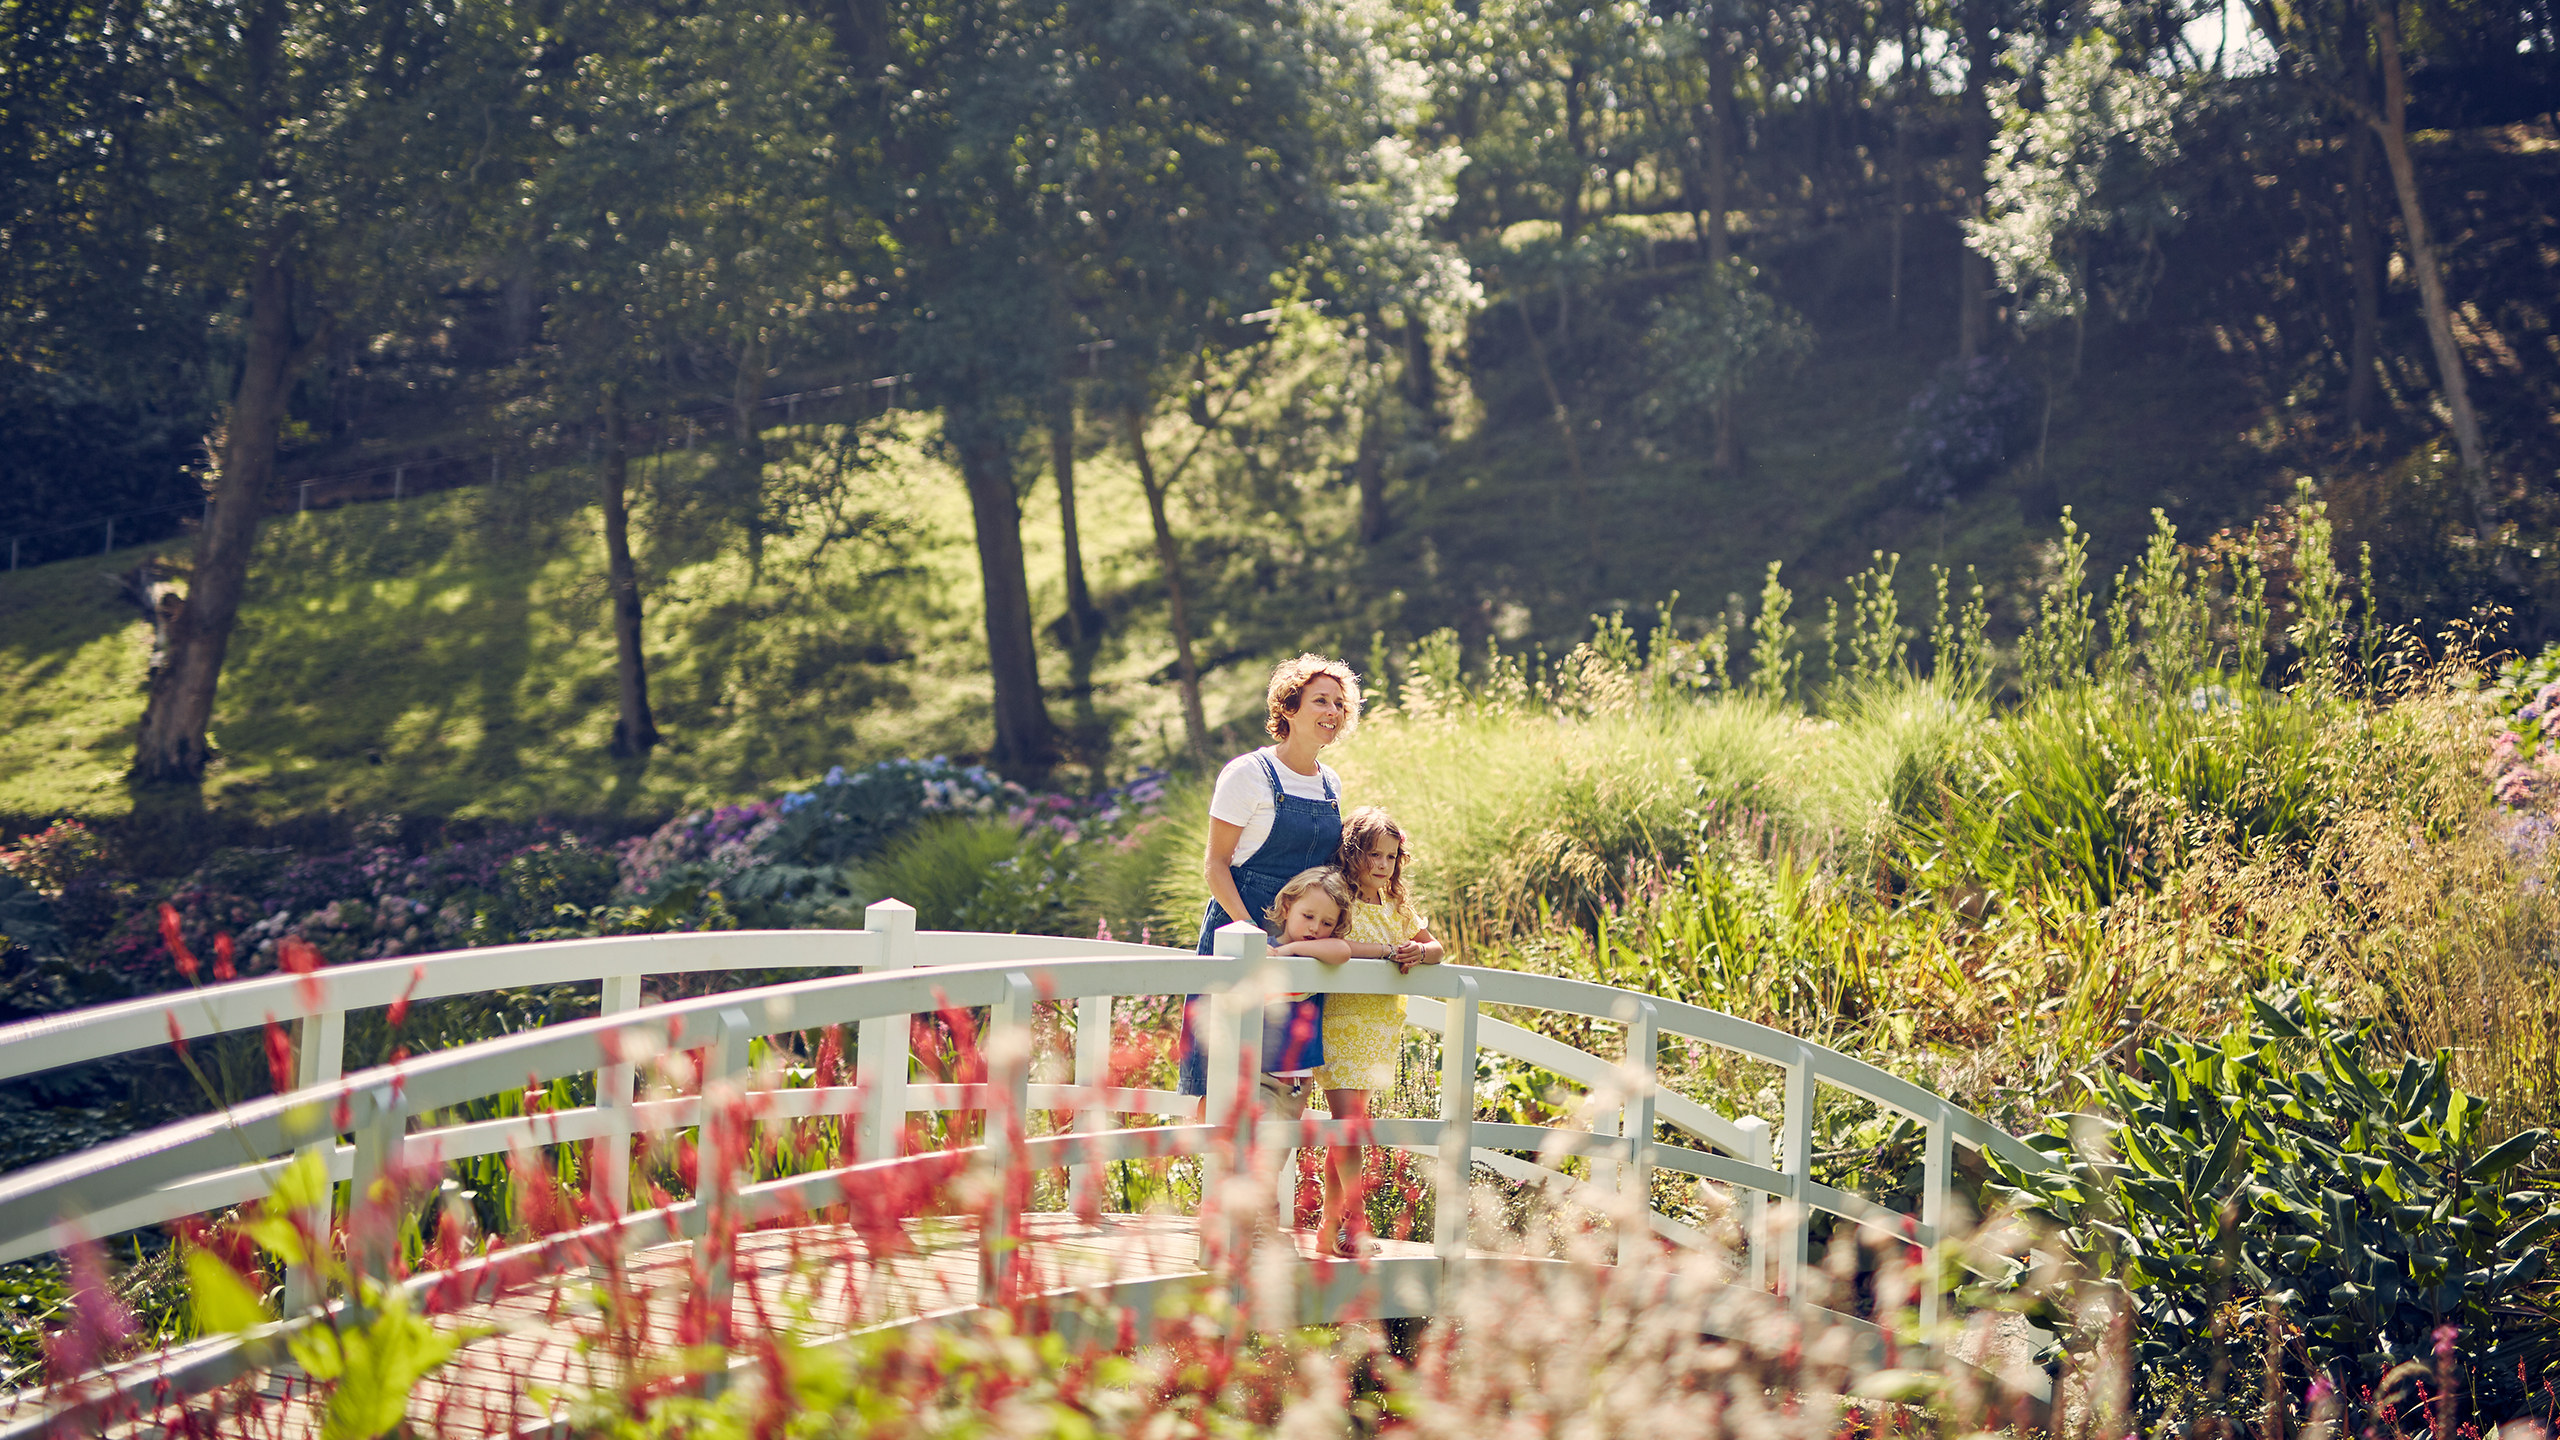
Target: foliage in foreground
{"type": "Point", "coordinates": [1583, 1330]}
{"type": "Point", "coordinates": [2353, 1213]}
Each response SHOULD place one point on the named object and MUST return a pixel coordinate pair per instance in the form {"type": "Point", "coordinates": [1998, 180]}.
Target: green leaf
{"type": "Point", "coordinates": [2508, 1153]}
{"type": "Point", "coordinates": [375, 1365]}
{"type": "Point", "coordinates": [276, 1235]}
{"type": "Point", "coordinates": [302, 1186]}
{"type": "Point", "coordinates": [2131, 1138]}
{"type": "Point", "coordinates": [223, 1302]}
{"type": "Point", "coordinates": [2275, 1021]}
{"type": "Point", "coordinates": [2217, 1165]}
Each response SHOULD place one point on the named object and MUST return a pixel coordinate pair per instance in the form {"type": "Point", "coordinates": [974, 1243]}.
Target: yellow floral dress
{"type": "Point", "coordinates": [1362, 1033]}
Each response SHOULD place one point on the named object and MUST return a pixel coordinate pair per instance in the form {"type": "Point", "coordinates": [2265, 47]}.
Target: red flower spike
{"type": "Point", "coordinates": [279, 1056]}
{"type": "Point", "coordinates": [831, 1056]}
{"type": "Point", "coordinates": [177, 1037]}
{"type": "Point", "coordinates": [100, 1324]}
{"type": "Point", "coordinates": [170, 936]}
{"type": "Point", "coordinates": [303, 958]}
{"type": "Point", "coordinates": [223, 969]}
{"type": "Point", "coordinates": [400, 1008]}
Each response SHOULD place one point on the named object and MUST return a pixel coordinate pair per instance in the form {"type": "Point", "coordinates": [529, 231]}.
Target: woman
{"type": "Point", "coordinates": [1276, 812]}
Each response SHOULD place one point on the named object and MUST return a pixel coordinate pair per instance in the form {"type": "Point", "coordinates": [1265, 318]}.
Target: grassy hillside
{"type": "Point", "coordinates": [449, 655]}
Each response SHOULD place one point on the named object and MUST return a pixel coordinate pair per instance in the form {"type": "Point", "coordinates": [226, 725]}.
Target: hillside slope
{"type": "Point", "coordinates": [448, 655]}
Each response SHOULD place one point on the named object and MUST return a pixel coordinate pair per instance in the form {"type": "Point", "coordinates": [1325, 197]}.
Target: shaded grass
{"type": "Point", "coordinates": [450, 656]}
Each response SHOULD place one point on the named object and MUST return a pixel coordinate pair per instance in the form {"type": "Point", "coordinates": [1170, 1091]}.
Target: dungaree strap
{"type": "Point", "coordinates": [1280, 792]}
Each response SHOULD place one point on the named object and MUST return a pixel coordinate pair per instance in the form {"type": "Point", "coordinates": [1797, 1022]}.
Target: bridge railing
{"type": "Point", "coordinates": [362, 1123]}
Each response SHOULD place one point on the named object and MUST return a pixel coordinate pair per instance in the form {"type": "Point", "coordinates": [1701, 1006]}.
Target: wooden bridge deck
{"type": "Point", "coordinates": [549, 1341]}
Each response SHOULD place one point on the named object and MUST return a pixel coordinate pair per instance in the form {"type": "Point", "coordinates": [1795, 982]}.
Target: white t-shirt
{"type": "Point", "coordinates": [1243, 796]}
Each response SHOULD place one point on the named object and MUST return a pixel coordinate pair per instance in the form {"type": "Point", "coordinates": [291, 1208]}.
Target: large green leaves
{"type": "Point", "coordinates": [2357, 1198]}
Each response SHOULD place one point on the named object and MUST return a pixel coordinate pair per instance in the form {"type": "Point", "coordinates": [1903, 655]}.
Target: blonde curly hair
{"type": "Point", "coordinates": [1289, 682]}
{"type": "Point", "coordinates": [1322, 877]}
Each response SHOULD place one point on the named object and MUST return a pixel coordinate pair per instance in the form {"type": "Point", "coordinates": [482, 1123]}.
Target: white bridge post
{"type": "Point", "coordinates": [1089, 1181]}
{"type": "Point", "coordinates": [1008, 1051]}
{"type": "Point", "coordinates": [610, 1179]}
{"type": "Point", "coordinates": [1635, 1125]}
{"type": "Point", "coordinates": [713, 1221]}
{"type": "Point", "coordinates": [881, 1043]}
{"type": "Point", "coordinates": [320, 1056]}
{"type": "Point", "coordinates": [1936, 1182]}
{"type": "Point", "coordinates": [1453, 1188]}
{"type": "Point", "coordinates": [1759, 1148]}
{"type": "Point", "coordinates": [1795, 1160]}
{"type": "Point", "coordinates": [1234, 1059]}
{"type": "Point", "coordinates": [373, 1221]}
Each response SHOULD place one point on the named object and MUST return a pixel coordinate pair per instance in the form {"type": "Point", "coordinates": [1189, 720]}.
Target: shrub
{"type": "Point", "coordinates": [1964, 427]}
{"type": "Point", "coordinates": [1144, 882]}
{"type": "Point", "coordinates": [54, 857]}
{"type": "Point", "coordinates": [790, 860]}
{"type": "Point", "coordinates": [365, 902]}
{"type": "Point", "coordinates": [976, 873]}
{"type": "Point", "coordinates": [2284, 1170]}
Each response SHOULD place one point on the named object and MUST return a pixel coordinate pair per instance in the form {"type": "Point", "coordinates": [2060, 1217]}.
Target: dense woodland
{"type": "Point", "coordinates": [1330, 246]}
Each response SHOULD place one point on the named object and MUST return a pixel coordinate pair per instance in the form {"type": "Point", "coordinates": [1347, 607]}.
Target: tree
{"type": "Point", "coordinates": [290, 147]}
{"type": "Point", "coordinates": [697, 285]}
{"type": "Point", "coordinates": [1708, 340]}
{"type": "Point", "coordinates": [2349, 53]}
{"type": "Point", "coordinates": [1976, 26]}
{"type": "Point", "coordinates": [1050, 174]}
{"type": "Point", "coordinates": [2082, 143]}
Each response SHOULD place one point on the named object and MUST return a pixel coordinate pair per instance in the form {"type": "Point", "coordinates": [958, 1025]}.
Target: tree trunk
{"type": "Point", "coordinates": [2392, 127]}
{"type": "Point", "coordinates": [635, 730]}
{"type": "Point", "coordinates": [1905, 94]}
{"type": "Point", "coordinates": [1369, 472]}
{"type": "Point", "coordinates": [1719, 140]}
{"type": "Point", "coordinates": [1421, 374]}
{"type": "Point", "coordinates": [173, 745]}
{"type": "Point", "coordinates": [1728, 451]}
{"type": "Point", "coordinates": [1577, 72]}
{"type": "Point", "coordinates": [746, 420]}
{"type": "Point", "coordinates": [1973, 272]}
{"type": "Point", "coordinates": [2364, 265]}
{"type": "Point", "coordinates": [1026, 742]}
{"type": "Point", "coordinates": [1186, 669]}
{"type": "Point", "coordinates": [1084, 623]}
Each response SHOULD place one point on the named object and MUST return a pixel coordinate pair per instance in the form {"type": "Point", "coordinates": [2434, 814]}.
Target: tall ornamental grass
{"type": "Point", "coordinates": [1524, 814]}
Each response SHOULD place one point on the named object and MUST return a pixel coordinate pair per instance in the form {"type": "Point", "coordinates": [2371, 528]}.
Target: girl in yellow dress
{"type": "Point", "coordinates": [1363, 1033]}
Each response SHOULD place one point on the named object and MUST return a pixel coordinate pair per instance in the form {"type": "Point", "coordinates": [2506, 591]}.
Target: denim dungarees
{"type": "Point", "coordinates": [1304, 834]}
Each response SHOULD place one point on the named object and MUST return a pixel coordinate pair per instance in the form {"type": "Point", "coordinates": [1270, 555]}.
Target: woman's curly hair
{"type": "Point", "coordinates": [1289, 682]}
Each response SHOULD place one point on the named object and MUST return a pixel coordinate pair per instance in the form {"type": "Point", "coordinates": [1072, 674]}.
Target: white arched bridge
{"type": "Point", "coordinates": [744, 1236]}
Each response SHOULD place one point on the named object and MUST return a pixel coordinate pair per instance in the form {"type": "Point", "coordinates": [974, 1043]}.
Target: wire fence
{"type": "Point", "coordinates": [431, 471]}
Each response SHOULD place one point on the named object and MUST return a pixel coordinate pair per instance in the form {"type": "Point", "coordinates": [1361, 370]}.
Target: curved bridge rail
{"type": "Point", "coordinates": [362, 1123]}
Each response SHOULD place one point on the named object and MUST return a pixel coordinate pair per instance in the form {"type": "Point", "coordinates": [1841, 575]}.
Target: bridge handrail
{"type": "Point", "coordinates": [101, 1032]}
{"type": "Point", "coordinates": [441, 1079]}
{"type": "Point", "coordinates": [1008, 974]}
